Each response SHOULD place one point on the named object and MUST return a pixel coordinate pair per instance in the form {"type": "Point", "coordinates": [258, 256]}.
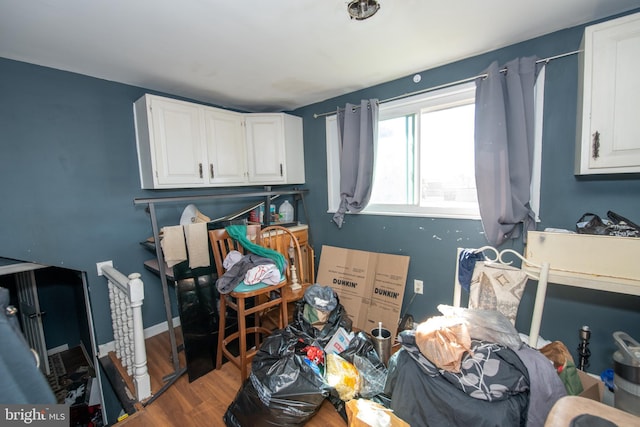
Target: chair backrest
{"type": "Point", "coordinates": [222, 244]}
{"type": "Point", "coordinates": [282, 240]}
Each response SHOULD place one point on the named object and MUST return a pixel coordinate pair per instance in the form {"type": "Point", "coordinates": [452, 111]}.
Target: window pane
{"type": "Point", "coordinates": [395, 160]}
{"type": "Point", "coordinates": [447, 157]}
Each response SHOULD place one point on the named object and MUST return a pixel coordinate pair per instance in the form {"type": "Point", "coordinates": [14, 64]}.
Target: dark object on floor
{"type": "Point", "coordinates": [198, 307]}
{"type": "Point", "coordinates": [283, 389]}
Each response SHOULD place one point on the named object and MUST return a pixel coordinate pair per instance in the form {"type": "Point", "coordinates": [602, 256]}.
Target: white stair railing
{"type": "Point", "coordinates": [126, 295]}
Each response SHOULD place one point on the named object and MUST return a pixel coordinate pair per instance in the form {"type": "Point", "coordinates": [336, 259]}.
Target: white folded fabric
{"type": "Point", "coordinates": [173, 245]}
{"type": "Point", "coordinates": [197, 244]}
{"type": "Point", "coordinates": [264, 273]}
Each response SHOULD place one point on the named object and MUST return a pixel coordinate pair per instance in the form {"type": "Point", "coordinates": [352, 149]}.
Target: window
{"type": "Point", "coordinates": [425, 156]}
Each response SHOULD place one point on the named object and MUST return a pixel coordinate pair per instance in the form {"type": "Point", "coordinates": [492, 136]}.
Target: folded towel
{"type": "Point", "coordinates": [173, 246]}
{"type": "Point", "coordinates": [197, 244]}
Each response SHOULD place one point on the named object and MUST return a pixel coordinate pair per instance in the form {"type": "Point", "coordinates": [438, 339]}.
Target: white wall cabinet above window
{"type": "Point", "coordinates": [608, 135]}
{"type": "Point", "coordinates": [187, 145]}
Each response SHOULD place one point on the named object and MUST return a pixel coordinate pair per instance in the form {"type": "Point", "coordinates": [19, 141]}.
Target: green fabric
{"type": "Point", "coordinates": [239, 233]}
{"type": "Point", "coordinates": [570, 378]}
{"type": "Point", "coordinates": [243, 287]}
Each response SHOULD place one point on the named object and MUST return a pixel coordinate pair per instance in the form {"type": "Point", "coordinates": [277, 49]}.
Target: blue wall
{"type": "Point", "coordinates": [70, 176]}
{"type": "Point", "coordinates": [431, 243]}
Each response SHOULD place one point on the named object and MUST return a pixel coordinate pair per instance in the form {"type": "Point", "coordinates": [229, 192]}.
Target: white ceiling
{"type": "Point", "coordinates": [260, 55]}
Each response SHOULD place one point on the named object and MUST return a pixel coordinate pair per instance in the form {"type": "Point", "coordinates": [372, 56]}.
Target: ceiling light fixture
{"type": "Point", "coordinates": [362, 9]}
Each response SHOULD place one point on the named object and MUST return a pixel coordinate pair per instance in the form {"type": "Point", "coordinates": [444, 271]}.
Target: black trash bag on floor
{"type": "Point", "coordinates": [283, 388]}
{"type": "Point", "coordinates": [362, 345]}
{"type": "Point", "coordinates": [337, 318]}
{"type": "Point", "coordinates": [363, 355]}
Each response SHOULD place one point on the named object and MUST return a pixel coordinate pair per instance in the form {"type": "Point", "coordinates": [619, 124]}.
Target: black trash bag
{"type": "Point", "coordinates": [363, 355]}
{"type": "Point", "coordinates": [301, 327]}
{"type": "Point", "coordinates": [282, 390]}
{"type": "Point", "coordinates": [614, 225]}
{"type": "Point", "coordinates": [362, 345]}
{"type": "Point", "coordinates": [590, 223]}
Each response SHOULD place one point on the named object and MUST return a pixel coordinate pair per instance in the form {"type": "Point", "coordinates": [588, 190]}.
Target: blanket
{"type": "Point", "coordinates": [491, 389]}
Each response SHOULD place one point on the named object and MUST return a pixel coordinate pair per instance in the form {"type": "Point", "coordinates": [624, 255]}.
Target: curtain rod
{"type": "Point", "coordinates": [445, 85]}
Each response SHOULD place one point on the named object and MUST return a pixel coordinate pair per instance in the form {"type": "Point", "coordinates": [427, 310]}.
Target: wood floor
{"type": "Point", "coordinates": [202, 402]}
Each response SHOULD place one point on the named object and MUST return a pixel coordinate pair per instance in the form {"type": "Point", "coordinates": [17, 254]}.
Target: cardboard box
{"type": "Point", "coordinates": [370, 285]}
{"type": "Point", "coordinates": [593, 387]}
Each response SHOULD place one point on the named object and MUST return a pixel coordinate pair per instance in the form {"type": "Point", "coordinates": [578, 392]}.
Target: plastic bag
{"type": "Point", "coordinates": [486, 325]}
{"type": "Point", "coordinates": [284, 389]}
{"type": "Point", "coordinates": [343, 377]}
{"type": "Point", "coordinates": [372, 378]}
{"type": "Point", "coordinates": [615, 225]}
{"type": "Point", "coordinates": [444, 340]}
{"type": "Point", "coordinates": [363, 355]}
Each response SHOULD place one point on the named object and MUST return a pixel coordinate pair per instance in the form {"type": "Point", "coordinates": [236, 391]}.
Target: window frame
{"type": "Point", "coordinates": [456, 93]}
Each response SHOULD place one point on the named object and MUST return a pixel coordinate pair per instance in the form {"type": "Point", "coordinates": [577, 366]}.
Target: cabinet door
{"type": "Point", "coordinates": [610, 135]}
{"type": "Point", "coordinates": [178, 148]}
{"type": "Point", "coordinates": [266, 150]}
{"type": "Point", "coordinates": [225, 147]}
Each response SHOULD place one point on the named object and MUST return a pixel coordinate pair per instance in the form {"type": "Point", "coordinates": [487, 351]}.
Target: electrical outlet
{"type": "Point", "coordinates": [100, 264]}
{"type": "Point", "coordinates": [417, 286]}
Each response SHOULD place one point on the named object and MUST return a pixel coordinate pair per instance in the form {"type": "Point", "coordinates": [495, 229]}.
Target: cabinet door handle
{"type": "Point", "coordinates": [281, 169]}
{"type": "Point", "coordinates": [595, 149]}
{"type": "Point", "coordinates": [211, 170]}
{"type": "Point", "coordinates": [200, 169]}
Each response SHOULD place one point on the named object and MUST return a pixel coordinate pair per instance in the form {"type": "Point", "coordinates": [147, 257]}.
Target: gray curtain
{"type": "Point", "coordinates": [504, 124]}
{"type": "Point", "coordinates": [357, 132]}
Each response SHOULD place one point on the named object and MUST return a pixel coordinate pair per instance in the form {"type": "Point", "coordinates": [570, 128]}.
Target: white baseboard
{"type": "Point", "coordinates": [104, 349]}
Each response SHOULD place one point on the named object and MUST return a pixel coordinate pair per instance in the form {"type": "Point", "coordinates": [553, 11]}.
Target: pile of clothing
{"type": "Point", "coordinates": [249, 269]}
{"type": "Point", "coordinates": [470, 368]}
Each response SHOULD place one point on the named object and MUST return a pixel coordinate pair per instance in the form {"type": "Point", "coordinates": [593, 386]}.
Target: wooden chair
{"type": "Point", "coordinates": [246, 300]}
{"type": "Point", "coordinates": [282, 240]}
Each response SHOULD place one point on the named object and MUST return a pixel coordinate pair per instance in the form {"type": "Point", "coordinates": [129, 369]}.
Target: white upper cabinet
{"type": "Point", "coordinates": [227, 158]}
{"type": "Point", "coordinates": [170, 143]}
{"type": "Point", "coordinates": [609, 98]}
{"type": "Point", "coordinates": [275, 150]}
{"type": "Point", "coordinates": [186, 145]}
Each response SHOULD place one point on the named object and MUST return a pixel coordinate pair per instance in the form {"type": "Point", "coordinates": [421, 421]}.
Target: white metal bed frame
{"type": "Point", "coordinates": [541, 274]}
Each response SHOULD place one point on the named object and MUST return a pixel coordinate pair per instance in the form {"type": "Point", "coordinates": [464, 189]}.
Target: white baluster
{"type": "Point", "coordinates": [141, 375]}
{"type": "Point", "coordinates": [126, 296]}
